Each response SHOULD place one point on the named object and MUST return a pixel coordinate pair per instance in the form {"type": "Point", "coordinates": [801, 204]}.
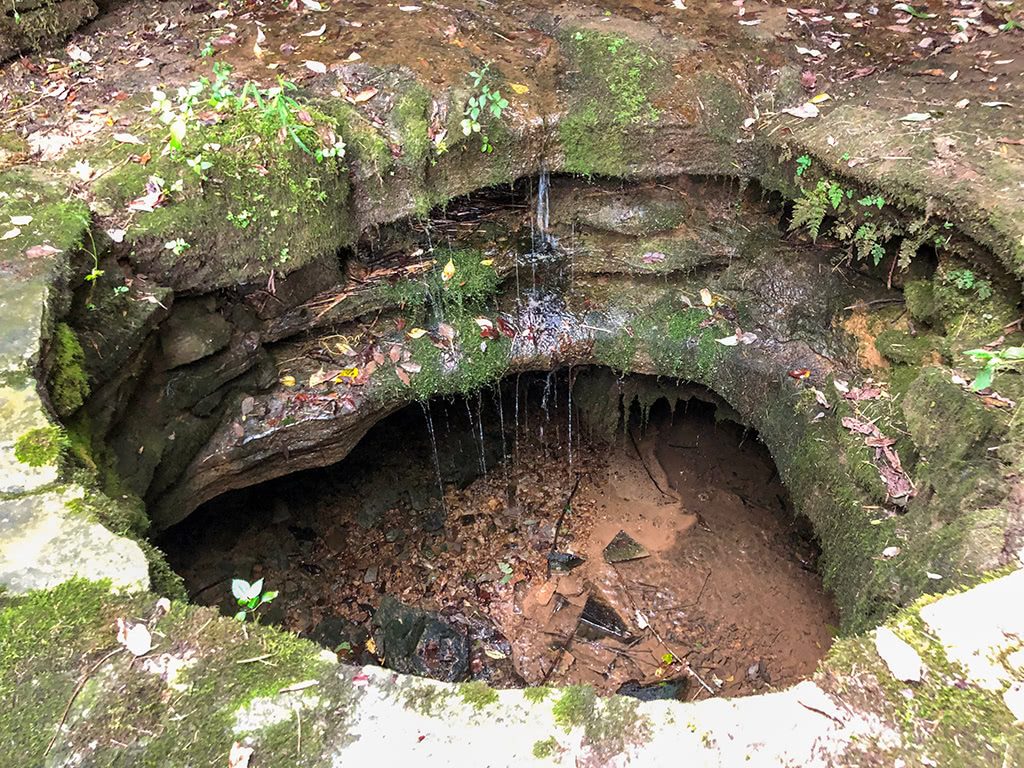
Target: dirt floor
{"type": "Point", "coordinates": [726, 601]}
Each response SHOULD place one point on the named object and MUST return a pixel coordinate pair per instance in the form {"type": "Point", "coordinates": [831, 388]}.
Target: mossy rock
{"type": "Point", "coordinates": [41, 447]}
{"type": "Point", "coordinates": [904, 348]}
{"type": "Point", "coordinates": [920, 300]}
{"type": "Point", "coordinates": [68, 383]}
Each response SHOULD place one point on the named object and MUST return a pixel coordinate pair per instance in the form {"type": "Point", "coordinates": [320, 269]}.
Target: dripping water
{"type": "Point", "coordinates": [480, 423]}
{"type": "Point", "coordinates": [433, 445]}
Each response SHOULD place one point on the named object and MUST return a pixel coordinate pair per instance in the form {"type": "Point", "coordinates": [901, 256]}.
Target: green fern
{"type": "Point", "coordinates": [809, 211]}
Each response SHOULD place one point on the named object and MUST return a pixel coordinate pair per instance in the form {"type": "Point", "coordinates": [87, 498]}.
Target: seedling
{"type": "Point", "coordinates": [483, 102]}
{"type": "Point", "coordinates": [993, 361]}
{"type": "Point", "coordinates": [802, 164]}
{"type": "Point", "coordinates": [250, 597]}
{"type": "Point", "coordinates": [506, 572]}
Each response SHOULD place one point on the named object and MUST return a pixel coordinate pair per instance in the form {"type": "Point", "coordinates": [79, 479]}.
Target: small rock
{"type": "Point", "coordinates": [624, 547]}
{"type": "Point", "coordinates": [371, 575]}
{"type": "Point", "coordinates": [563, 562]}
{"type": "Point", "coordinates": [393, 535]}
{"type": "Point", "coordinates": [600, 620]}
{"type": "Point", "coordinates": [902, 660]}
{"type": "Point", "coordinates": [665, 690]}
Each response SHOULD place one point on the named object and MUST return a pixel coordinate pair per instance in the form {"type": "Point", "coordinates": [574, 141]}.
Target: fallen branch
{"type": "Point", "coordinates": [74, 695]}
{"type": "Point", "coordinates": [646, 468]}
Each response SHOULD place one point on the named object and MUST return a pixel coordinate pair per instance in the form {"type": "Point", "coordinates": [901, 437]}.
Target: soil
{"type": "Point", "coordinates": [727, 602]}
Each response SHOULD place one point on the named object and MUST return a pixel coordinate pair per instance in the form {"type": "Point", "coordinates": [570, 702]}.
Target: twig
{"type": "Point", "coordinates": [74, 695]}
{"type": "Point", "coordinates": [298, 731]}
{"type": "Point", "coordinates": [565, 508]}
{"type": "Point", "coordinates": [646, 468]}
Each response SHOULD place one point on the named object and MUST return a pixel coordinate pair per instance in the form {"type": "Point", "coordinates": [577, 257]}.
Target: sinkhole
{"type": "Point", "coordinates": [568, 527]}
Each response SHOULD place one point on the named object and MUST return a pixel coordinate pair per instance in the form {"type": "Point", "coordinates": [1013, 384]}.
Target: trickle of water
{"type": "Point", "coordinates": [543, 240]}
{"type": "Point", "coordinates": [480, 423]}
{"type": "Point", "coordinates": [570, 420]}
{"type": "Point", "coordinates": [480, 446]}
{"type": "Point", "coordinates": [501, 423]}
{"type": "Point", "coordinates": [547, 392]}
{"type": "Point", "coordinates": [515, 436]}
{"type": "Point", "coordinates": [433, 445]}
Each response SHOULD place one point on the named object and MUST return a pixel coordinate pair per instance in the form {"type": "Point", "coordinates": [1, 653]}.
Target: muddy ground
{"type": "Point", "coordinates": [727, 589]}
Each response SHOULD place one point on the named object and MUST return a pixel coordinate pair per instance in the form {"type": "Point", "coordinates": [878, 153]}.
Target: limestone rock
{"type": "Point", "coordinates": [195, 330]}
{"type": "Point", "coordinates": [44, 543]}
{"type": "Point", "coordinates": [419, 642]}
{"type": "Point", "coordinates": [902, 660]}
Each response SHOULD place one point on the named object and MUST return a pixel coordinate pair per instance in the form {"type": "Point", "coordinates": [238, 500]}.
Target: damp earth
{"type": "Point", "coordinates": [661, 558]}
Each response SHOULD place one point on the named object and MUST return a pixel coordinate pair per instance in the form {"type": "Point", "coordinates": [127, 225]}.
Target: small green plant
{"type": "Point", "coordinates": [506, 572]}
{"type": "Point", "coordinates": [992, 362]}
{"type": "Point", "coordinates": [276, 106]}
{"type": "Point", "coordinates": [1010, 25]}
{"type": "Point", "coordinates": [803, 163]}
{"type": "Point", "coordinates": [872, 200]}
{"type": "Point", "coordinates": [250, 597]}
{"type": "Point", "coordinates": [965, 280]}
{"type": "Point", "coordinates": [177, 247]}
{"type": "Point", "coordinates": [485, 101]}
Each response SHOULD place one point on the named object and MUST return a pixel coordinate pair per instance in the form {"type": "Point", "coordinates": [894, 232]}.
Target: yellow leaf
{"type": "Point", "coordinates": [820, 98]}
{"type": "Point", "coordinates": [344, 349]}
{"type": "Point", "coordinates": [519, 88]}
{"type": "Point", "coordinates": [449, 271]}
{"type": "Point", "coordinates": [487, 262]}
{"type": "Point", "coordinates": [346, 373]}
{"type": "Point", "coordinates": [318, 378]}
{"type": "Point", "coordinates": [416, 333]}
{"type": "Point", "coordinates": [371, 646]}
{"type": "Point", "coordinates": [706, 297]}
{"type": "Point", "coordinates": [288, 381]}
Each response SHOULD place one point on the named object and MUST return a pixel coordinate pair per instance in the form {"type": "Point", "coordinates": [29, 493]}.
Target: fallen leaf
{"type": "Point", "coordinates": [899, 656]}
{"type": "Point", "coordinates": [706, 298]}
{"type": "Point", "coordinates": [127, 138]}
{"type": "Point", "coordinates": [996, 104]}
{"type": "Point", "coordinates": [313, 5]}
{"type": "Point", "coordinates": [800, 374]}
{"type": "Point", "coordinates": [519, 88]}
{"type": "Point", "coordinates": [863, 393]}
{"type": "Point", "coordinates": [890, 552]}
{"type": "Point", "coordinates": [486, 262]}
{"type": "Point", "coordinates": [653, 257]}
{"type": "Point", "coordinates": [916, 117]}
{"type": "Point", "coordinates": [315, 32]}
{"type": "Point", "coordinates": [494, 653]}
{"type": "Point", "coordinates": [39, 251]}
{"type": "Point", "coordinates": [804, 111]}
{"type": "Point", "coordinates": [449, 271]}
{"type": "Point", "coordinates": [21, 221]}
{"type": "Point", "coordinates": [10, 234]}
{"type": "Point", "coordinates": [134, 637]}
{"type": "Point", "coordinates": [364, 95]}
{"type": "Point", "coordinates": [315, 66]}
{"type": "Point", "coordinates": [288, 381]}
{"type": "Point", "coordinates": [403, 376]}
{"type": "Point", "coordinates": [409, 8]}
{"type": "Point", "coordinates": [416, 333]}
{"type": "Point", "coordinates": [411, 367]}
{"type": "Point", "coordinates": [239, 756]}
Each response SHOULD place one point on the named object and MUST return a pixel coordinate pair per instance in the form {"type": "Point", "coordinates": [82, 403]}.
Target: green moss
{"type": "Point", "coordinates": [901, 347]}
{"type": "Point", "coordinates": [545, 748]}
{"type": "Point", "coordinates": [536, 695]}
{"type": "Point", "coordinates": [428, 700]}
{"type": "Point", "coordinates": [615, 78]}
{"type": "Point", "coordinates": [40, 447]}
{"type": "Point", "coordinates": [266, 204]}
{"type": "Point", "coordinates": [47, 638]}
{"type": "Point", "coordinates": [68, 381]}
{"type": "Point", "coordinates": [412, 115]}
{"type": "Point", "coordinates": [478, 694]}
{"type": "Point", "coordinates": [945, 716]}
{"type": "Point", "coordinates": [575, 707]}
{"type": "Point", "coordinates": [920, 299]}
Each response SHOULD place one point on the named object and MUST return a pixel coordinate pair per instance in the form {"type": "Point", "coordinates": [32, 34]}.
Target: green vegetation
{"type": "Point", "coordinates": [616, 79]}
{"type": "Point", "coordinates": [68, 381]}
{"type": "Point", "coordinates": [966, 281]}
{"type": "Point", "coordinates": [478, 694]}
{"type": "Point", "coordinates": [250, 597]}
{"type": "Point", "coordinates": [482, 103]}
{"type": "Point", "coordinates": [545, 748]}
{"type": "Point", "coordinates": [40, 447]}
{"type": "Point", "coordinates": [992, 361]}
{"type": "Point", "coordinates": [575, 707]}
{"type": "Point", "coordinates": [535, 695]}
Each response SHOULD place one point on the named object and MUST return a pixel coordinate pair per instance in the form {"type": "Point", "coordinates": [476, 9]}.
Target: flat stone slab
{"type": "Point", "coordinates": [21, 411]}
{"type": "Point", "coordinates": [623, 548]}
{"type": "Point", "coordinates": [43, 543]}
{"type": "Point", "coordinates": [982, 627]}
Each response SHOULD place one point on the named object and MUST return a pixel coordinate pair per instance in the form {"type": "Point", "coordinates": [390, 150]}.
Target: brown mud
{"type": "Point", "coordinates": [727, 602]}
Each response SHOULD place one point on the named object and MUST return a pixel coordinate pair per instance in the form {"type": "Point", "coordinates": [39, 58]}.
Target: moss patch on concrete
{"type": "Point", "coordinates": [41, 447]}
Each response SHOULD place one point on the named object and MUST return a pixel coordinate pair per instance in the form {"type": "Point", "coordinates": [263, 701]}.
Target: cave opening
{"type": "Point", "coordinates": [568, 527]}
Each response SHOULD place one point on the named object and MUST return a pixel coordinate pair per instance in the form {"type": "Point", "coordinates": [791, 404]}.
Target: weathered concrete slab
{"type": "Point", "coordinates": [44, 542]}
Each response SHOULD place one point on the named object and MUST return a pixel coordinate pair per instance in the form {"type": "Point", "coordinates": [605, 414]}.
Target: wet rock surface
{"type": "Point", "coordinates": [420, 643]}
